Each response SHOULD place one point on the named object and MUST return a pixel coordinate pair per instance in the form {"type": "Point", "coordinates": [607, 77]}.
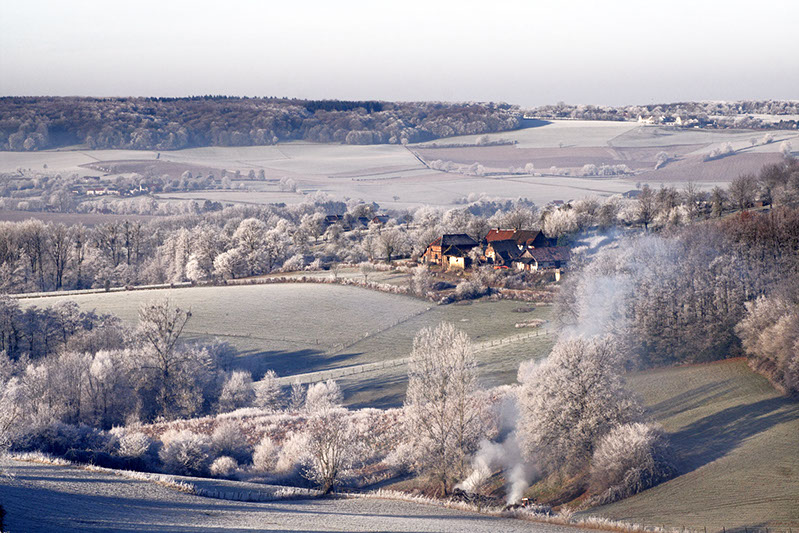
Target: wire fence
{"type": "Point", "coordinates": [344, 345]}
{"type": "Point", "coordinates": [336, 373]}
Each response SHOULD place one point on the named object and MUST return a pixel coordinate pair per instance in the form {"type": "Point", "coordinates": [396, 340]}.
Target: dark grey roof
{"type": "Point", "coordinates": [457, 239]}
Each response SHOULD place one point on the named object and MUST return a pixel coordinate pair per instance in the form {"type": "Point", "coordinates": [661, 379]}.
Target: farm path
{"type": "Point", "coordinates": [47, 498]}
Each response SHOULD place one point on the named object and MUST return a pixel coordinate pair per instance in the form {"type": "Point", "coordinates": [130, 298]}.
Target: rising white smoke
{"type": "Point", "coordinates": [505, 455]}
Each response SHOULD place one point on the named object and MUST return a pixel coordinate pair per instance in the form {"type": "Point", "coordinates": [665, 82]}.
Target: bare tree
{"type": "Point", "coordinates": [646, 206]}
{"type": "Point", "coordinates": [743, 190]}
{"type": "Point", "coordinates": [160, 325]}
{"type": "Point", "coordinates": [718, 200]}
{"type": "Point", "coordinates": [443, 405]}
{"type": "Point", "coordinates": [366, 268]}
{"type": "Point", "coordinates": [391, 241]}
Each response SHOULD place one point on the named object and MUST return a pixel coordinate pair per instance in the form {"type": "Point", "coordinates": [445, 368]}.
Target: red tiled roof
{"type": "Point", "coordinates": [519, 236]}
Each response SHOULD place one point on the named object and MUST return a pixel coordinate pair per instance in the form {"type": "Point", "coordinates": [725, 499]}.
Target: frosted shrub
{"type": "Point", "coordinates": [229, 440]}
{"type": "Point", "coordinates": [264, 458]}
{"type": "Point", "coordinates": [293, 454]}
{"type": "Point", "coordinates": [469, 289]}
{"type": "Point", "coordinates": [184, 452]}
{"type": "Point", "coordinates": [322, 395]}
{"type": "Point", "coordinates": [223, 466]}
{"type": "Point", "coordinates": [237, 392]}
{"type": "Point", "coordinates": [629, 459]}
{"type": "Point", "coordinates": [295, 262]}
{"type": "Point", "coordinates": [135, 445]}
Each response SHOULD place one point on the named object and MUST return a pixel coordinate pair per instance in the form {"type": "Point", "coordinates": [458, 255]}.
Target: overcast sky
{"type": "Point", "coordinates": [526, 52]}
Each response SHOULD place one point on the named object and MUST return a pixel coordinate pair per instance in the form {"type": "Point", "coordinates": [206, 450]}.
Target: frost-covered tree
{"type": "Point", "coordinates": [560, 222]}
{"type": "Point", "coordinates": [250, 239]}
{"type": "Point", "coordinates": [323, 395]}
{"type": "Point", "coordinates": [570, 401]}
{"type": "Point", "coordinates": [331, 445]}
{"type": "Point", "coordinates": [421, 281]}
{"type": "Point", "coordinates": [443, 407]}
{"type": "Point", "coordinates": [770, 336]}
{"type": "Point", "coordinates": [628, 459]}
{"type": "Point", "coordinates": [268, 392]}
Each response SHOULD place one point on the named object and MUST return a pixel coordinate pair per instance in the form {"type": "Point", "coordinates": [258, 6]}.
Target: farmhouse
{"type": "Point", "coordinates": [534, 259]}
{"type": "Point", "coordinates": [524, 250]}
{"type": "Point", "coordinates": [450, 251]}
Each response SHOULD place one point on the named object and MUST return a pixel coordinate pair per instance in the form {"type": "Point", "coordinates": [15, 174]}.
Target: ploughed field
{"type": "Point", "coordinates": [300, 328]}
{"type": "Point", "coordinates": [737, 445]}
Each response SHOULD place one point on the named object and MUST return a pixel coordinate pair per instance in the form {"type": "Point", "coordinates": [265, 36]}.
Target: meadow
{"type": "Point", "coordinates": [299, 328]}
{"type": "Point", "coordinates": [735, 438]}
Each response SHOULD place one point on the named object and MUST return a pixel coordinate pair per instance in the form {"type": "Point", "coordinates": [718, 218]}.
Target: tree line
{"type": "Point", "coordinates": [38, 123]}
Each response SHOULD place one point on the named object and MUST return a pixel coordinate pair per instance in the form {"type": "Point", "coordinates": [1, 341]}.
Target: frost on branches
{"type": "Point", "coordinates": [445, 413]}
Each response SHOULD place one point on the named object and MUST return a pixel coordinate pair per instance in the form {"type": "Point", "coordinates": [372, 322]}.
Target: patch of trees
{"type": "Point", "coordinates": [100, 373]}
{"type": "Point", "coordinates": [37, 123]}
{"type": "Point", "coordinates": [677, 297]}
{"type": "Point", "coordinates": [579, 422]}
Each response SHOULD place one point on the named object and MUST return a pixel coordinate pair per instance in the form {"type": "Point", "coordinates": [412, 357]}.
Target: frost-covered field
{"type": "Point", "coordinates": [392, 176]}
{"type": "Point", "coordinates": [289, 328]}
{"type": "Point", "coordinates": [297, 328]}
{"type": "Point", "coordinates": [60, 499]}
{"type": "Point", "coordinates": [736, 442]}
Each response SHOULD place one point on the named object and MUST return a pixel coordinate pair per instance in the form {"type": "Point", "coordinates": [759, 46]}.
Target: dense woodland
{"type": "Point", "coordinates": [38, 123]}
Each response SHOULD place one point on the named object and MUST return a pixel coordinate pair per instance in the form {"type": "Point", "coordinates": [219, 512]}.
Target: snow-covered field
{"type": "Point", "coordinates": [46, 498]}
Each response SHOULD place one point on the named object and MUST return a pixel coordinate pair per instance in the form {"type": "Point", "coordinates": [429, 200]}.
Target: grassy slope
{"type": "Point", "coordinates": [278, 326]}
{"type": "Point", "coordinates": [285, 327]}
{"type": "Point", "coordinates": [737, 441]}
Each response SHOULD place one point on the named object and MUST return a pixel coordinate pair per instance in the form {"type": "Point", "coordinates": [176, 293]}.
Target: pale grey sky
{"type": "Point", "coordinates": [527, 52]}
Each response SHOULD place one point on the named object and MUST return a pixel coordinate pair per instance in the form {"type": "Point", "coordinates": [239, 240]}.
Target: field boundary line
{"type": "Point", "coordinates": [32, 295]}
